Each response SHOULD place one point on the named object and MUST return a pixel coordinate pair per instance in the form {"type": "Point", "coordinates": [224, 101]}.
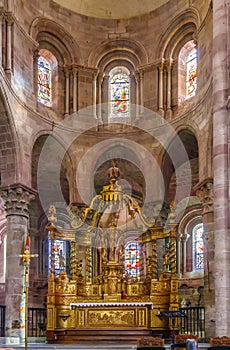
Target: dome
{"type": "Point", "coordinates": [110, 9]}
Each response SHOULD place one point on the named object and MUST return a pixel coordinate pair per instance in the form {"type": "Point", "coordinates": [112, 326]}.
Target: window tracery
{"type": "Point", "coordinates": [44, 81]}
{"type": "Point", "coordinates": [119, 86]}
{"type": "Point", "coordinates": [198, 247]}
{"type": "Point", "coordinates": [132, 259]}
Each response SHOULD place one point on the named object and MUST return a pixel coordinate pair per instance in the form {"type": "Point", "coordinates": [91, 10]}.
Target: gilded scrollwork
{"type": "Point", "coordinates": [108, 318]}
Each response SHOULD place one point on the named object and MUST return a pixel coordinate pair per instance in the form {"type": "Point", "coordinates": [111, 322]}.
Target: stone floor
{"type": "Point", "coordinates": [91, 346]}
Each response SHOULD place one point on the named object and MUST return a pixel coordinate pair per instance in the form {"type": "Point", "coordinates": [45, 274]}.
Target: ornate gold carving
{"type": "Point", "coordinates": [109, 318]}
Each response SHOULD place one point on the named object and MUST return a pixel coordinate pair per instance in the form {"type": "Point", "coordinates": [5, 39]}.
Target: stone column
{"type": "Point", "coordinates": [141, 92]}
{"type": "Point", "coordinates": [136, 76]}
{"type": "Point", "coordinates": [95, 95]}
{"type": "Point", "coordinates": [9, 23]}
{"type": "Point", "coordinates": [106, 108]}
{"type": "Point", "coordinates": [1, 42]}
{"type": "Point", "coordinates": [75, 90]}
{"type": "Point", "coordinates": [99, 84]}
{"type": "Point", "coordinates": [17, 198]}
{"type": "Point", "coordinates": [169, 89]}
{"type": "Point", "coordinates": [179, 253]}
{"type": "Point", "coordinates": [67, 82]}
{"type": "Point", "coordinates": [35, 67]}
{"type": "Point", "coordinates": [161, 88]}
{"type": "Point", "coordinates": [221, 47]}
{"type": "Point", "coordinates": [204, 191]}
{"type": "Point", "coordinates": [184, 238]}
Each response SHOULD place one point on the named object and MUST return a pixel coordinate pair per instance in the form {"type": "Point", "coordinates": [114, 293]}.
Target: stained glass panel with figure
{"type": "Point", "coordinates": [132, 259]}
{"type": "Point", "coordinates": [198, 247]}
{"type": "Point", "coordinates": [60, 261]}
{"type": "Point", "coordinates": [119, 94]}
{"type": "Point", "coordinates": [191, 73]}
{"type": "Point", "coordinates": [44, 82]}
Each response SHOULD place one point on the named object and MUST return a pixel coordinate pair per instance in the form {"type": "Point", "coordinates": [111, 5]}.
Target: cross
{"type": "Point", "coordinates": [25, 258]}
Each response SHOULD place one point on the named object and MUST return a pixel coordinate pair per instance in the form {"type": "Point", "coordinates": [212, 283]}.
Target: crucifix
{"type": "Point", "coordinates": [25, 258]}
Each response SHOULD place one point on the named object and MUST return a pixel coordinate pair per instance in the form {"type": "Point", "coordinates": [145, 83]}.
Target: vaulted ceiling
{"type": "Point", "coordinates": [111, 9]}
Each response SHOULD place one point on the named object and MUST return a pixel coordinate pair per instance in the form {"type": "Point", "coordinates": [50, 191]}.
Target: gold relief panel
{"type": "Point", "coordinates": [50, 318]}
{"type": "Point", "coordinates": [63, 316]}
{"type": "Point", "coordinates": [51, 287]}
{"type": "Point", "coordinates": [174, 298]}
{"type": "Point", "coordinates": [81, 318]}
{"type": "Point", "coordinates": [174, 286]}
{"type": "Point", "coordinates": [160, 287]}
{"type": "Point", "coordinates": [133, 289]}
{"type": "Point", "coordinates": [160, 300]}
{"type": "Point", "coordinates": [158, 322]}
{"type": "Point", "coordinates": [64, 288]}
{"type": "Point", "coordinates": [142, 317]}
{"type": "Point", "coordinates": [108, 318]}
{"type": "Point", "coordinates": [65, 301]}
{"type": "Point", "coordinates": [51, 299]}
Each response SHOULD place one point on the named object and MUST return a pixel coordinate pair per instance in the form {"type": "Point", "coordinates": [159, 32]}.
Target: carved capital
{"type": "Point", "coordinates": [17, 198]}
{"type": "Point", "coordinates": [9, 18]}
{"type": "Point", "coordinates": [204, 190]}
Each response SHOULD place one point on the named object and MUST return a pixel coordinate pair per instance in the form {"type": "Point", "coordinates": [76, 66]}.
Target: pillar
{"type": "Point", "coordinates": [106, 109]}
{"type": "Point", "coordinates": [75, 90]}
{"type": "Point", "coordinates": [221, 32]}
{"type": "Point", "coordinates": [95, 95]}
{"type": "Point", "coordinates": [141, 92]}
{"type": "Point", "coordinates": [99, 101]}
{"type": "Point", "coordinates": [204, 191]}
{"type": "Point", "coordinates": [17, 199]}
{"type": "Point", "coordinates": [67, 82]}
{"type": "Point", "coordinates": [184, 238]}
{"type": "Point", "coordinates": [161, 88]}
{"type": "Point", "coordinates": [9, 23]}
{"type": "Point", "coordinates": [169, 89]}
{"type": "Point", "coordinates": [136, 76]}
{"type": "Point", "coordinates": [1, 42]}
{"type": "Point", "coordinates": [179, 253]}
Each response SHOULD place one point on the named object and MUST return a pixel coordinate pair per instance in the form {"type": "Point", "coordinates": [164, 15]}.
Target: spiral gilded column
{"type": "Point", "coordinates": [88, 265]}
{"type": "Point", "coordinates": [154, 260]}
{"type": "Point", "coordinates": [73, 261]}
{"type": "Point", "coordinates": [173, 251]}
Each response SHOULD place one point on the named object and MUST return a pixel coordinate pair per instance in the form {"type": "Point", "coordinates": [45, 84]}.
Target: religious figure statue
{"type": "Point", "coordinates": [114, 171]}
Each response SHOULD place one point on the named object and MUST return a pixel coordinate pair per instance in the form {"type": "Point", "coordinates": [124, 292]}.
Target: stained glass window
{"type": "Point", "coordinates": [191, 73]}
{"type": "Point", "coordinates": [119, 93]}
{"type": "Point", "coordinates": [44, 81]}
{"type": "Point", "coordinates": [198, 247]}
{"type": "Point", "coordinates": [60, 260]}
{"type": "Point", "coordinates": [132, 259]}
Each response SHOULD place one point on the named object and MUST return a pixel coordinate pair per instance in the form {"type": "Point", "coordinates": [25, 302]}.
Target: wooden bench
{"type": "Point", "coordinates": [180, 340]}
{"type": "Point", "coordinates": [148, 343]}
{"type": "Point", "coordinates": [220, 343]}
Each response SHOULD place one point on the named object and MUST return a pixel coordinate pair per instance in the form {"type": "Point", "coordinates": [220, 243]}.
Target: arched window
{"type": "Point", "coordinates": [191, 73]}
{"type": "Point", "coordinates": [44, 81]}
{"type": "Point", "coordinates": [187, 69]}
{"type": "Point", "coordinates": [119, 92]}
{"type": "Point", "coordinates": [61, 254]}
{"type": "Point", "coordinates": [198, 247]}
{"type": "Point", "coordinates": [132, 259]}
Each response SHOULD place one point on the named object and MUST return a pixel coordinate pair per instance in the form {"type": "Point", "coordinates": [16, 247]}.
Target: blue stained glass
{"type": "Point", "coordinates": [44, 82]}
{"type": "Point", "coordinates": [132, 259]}
{"type": "Point", "coordinates": [198, 247]}
{"type": "Point", "coordinates": [59, 256]}
{"type": "Point", "coordinates": [120, 91]}
{"type": "Point", "coordinates": [191, 74]}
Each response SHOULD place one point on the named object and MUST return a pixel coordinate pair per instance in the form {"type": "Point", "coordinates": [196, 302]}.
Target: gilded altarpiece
{"type": "Point", "coordinates": [97, 294]}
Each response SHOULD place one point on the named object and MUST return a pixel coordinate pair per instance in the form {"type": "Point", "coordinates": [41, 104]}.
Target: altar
{"type": "Point", "coordinates": [117, 278]}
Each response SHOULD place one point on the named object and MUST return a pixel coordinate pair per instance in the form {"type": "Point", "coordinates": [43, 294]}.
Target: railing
{"type": "Point", "coordinates": [36, 322]}
{"type": "Point", "coordinates": [2, 320]}
{"type": "Point", "coordinates": [194, 322]}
